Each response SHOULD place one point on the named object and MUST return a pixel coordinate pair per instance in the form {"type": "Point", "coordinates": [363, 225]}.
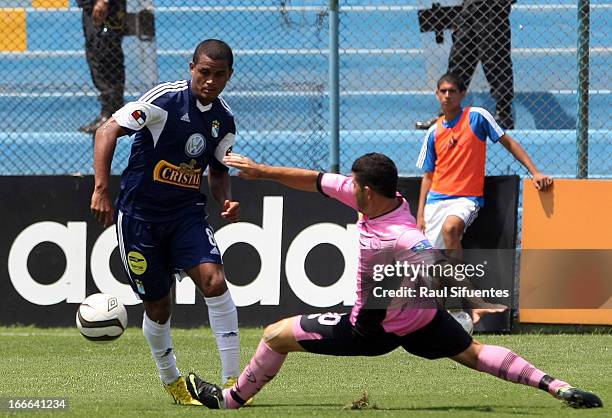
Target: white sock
{"type": "Point", "coordinates": [159, 338]}
{"type": "Point", "coordinates": [223, 319]}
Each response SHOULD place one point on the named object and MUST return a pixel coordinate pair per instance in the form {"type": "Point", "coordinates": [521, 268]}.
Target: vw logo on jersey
{"type": "Point", "coordinates": [195, 145]}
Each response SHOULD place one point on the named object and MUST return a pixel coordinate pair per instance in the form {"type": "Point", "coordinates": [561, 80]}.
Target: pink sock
{"type": "Point", "coordinates": [505, 364]}
{"type": "Point", "coordinates": [261, 369]}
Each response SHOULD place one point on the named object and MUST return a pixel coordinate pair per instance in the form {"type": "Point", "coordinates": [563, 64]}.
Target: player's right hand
{"type": "Point", "coordinates": [541, 182]}
{"type": "Point", "coordinates": [249, 169]}
{"type": "Point", "coordinates": [486, 308]}
{"type": "Point", "coordinates": [102, 208]}
{"type": "Point", "coordinates": [421, 223]}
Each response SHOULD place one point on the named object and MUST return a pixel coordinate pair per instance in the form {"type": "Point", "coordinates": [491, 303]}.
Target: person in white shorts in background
{"type": "Point", "coordinates": [453, 158]}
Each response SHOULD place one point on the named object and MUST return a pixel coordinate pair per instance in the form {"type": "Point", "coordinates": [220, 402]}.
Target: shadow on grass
{"type": "Point", "coordinates": [509, 409]}
{"type": "Point", "coordinates": [505, 409]}
{"type": "Point", "coordinates": [331, 406]}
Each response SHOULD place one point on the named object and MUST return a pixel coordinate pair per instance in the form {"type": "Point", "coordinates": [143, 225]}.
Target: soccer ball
{"type": "Point", "coordinates": [465, 320]}
{"type": "Point", "coordinates": [101, 318]}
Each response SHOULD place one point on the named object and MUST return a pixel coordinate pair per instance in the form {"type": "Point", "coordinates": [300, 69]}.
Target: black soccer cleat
{"type": "Point", "coordinates": [578, 398]}
{"type": "Point", "coordinates": [210, 395]}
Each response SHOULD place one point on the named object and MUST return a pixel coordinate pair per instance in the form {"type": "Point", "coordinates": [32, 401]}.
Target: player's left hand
{"type": "Point", "coordinates": [541, 182]}
{"type": "Point", "coordinates": [231, 211]}
{"type": "Point", "coordinates": [99, 13]}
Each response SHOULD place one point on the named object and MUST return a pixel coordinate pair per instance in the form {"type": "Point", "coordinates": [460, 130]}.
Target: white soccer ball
{"type": "Point", "coordinates": [465, 320]}
{"type": "Point", "coordinates": [101, 318]}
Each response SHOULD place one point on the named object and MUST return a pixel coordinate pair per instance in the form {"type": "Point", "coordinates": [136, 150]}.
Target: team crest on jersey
{"type": "Point", "coordinates": [214, 131]}
{"type": "Point", "coordinates": [139, 116]}
{"type": "Point", "coordinates": [421, 246]}
{"type": "Point", "coordinates": [195, 145]}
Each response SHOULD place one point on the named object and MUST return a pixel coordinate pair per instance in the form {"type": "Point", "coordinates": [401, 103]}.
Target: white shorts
{"type": "Point", "coordinates": [437, 212]}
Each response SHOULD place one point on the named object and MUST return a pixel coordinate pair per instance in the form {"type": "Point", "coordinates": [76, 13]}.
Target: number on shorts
{"type": "Point", "coordinates": [329, 318]}
{"type": "Point", "coordinates": [211, 237]}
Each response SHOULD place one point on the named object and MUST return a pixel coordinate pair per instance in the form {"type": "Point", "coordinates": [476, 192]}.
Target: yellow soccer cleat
{"type": "Point", "coordinates": [231, 381]}
{"type": "Point", "coordinates": [180, 394]}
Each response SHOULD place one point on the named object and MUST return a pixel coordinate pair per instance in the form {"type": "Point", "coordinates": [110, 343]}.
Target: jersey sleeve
{"type": "Point", "coordinates": [337, 186]}
{"type": "Point", "coordinates": [225, 147]}
{"type": "Point", "coordinates": [427, 156]}
{"type": "Point", "coordinates": [484, 125]}
{"type": "Point", "coordinates": [413, 239]}
{"type": "Point", "coordinates": [227, 142]}
{"type": "Point", "coordinates": [135, 116]}
{"type": "Point", "coordinates": [414, 248]}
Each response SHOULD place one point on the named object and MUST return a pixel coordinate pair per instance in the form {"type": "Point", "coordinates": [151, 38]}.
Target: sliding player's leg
{"type": "Point", "coordinates": [505, 364]}
{"type": "Point", "coordinates": [271, 352]}
{"type": "Point", "coordinates": [445, 337]}
{"type": "Point", "coordinates": [329, 333]}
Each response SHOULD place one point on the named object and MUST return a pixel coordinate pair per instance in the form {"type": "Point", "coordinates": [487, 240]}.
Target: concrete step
{"type": "Point", "coordinates": [273, 110]}
{"type": "Point", "coordinates": [532, 27]}
{"type": "Point", "coordinates": [69, 152]}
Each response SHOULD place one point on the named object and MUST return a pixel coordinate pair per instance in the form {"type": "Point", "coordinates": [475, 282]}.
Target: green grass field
{"type": "Point", "coordinates": [120, 379]}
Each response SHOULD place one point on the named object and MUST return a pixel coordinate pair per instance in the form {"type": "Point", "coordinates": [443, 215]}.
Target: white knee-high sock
{"type": "Point", "coordinates": [223, 319]}
{"type": "Point", "coordinates": [159, 338]}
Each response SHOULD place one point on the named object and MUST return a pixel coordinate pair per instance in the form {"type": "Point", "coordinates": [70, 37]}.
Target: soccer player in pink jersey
{"type": "Point", "coordinates": [388, 234]}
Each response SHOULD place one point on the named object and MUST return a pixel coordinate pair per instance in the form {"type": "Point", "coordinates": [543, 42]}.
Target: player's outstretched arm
{"type": "Point", "coordinates": [296, 178]}
{"type": "Point", "coordinates": [104, 148]}
{"type": "Point", "coordinates": [540, 181]}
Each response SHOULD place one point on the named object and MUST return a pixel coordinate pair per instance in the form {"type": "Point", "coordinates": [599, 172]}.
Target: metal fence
{"type": "Point", "coordinates": [390, 56]}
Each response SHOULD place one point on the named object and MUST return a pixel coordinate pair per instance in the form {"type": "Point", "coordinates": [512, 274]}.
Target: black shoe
{"type": "Point", "coordinates": [578, 398]}
{"type": "Point", "coordinates": [426, 124]}
{"type": "Point", "coordinates": [209, 394]}
{"type": "Point", "coordinates": [93, 126]}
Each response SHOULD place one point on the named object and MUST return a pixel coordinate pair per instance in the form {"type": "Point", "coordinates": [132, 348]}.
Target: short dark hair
{"type": "Point", "coordinates": [215, 50]}
{"type": "Point", "coordinates": [453, 79]}
{"type": "Point", "coordinates": [376, 171]}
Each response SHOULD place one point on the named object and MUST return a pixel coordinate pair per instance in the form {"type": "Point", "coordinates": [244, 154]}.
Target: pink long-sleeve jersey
{"type": "Point", "coordinates": [391, 239]}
